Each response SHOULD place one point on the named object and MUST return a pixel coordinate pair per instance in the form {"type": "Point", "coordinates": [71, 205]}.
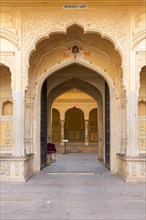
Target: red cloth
{"type": "Point", "coordinates": [51, 148]}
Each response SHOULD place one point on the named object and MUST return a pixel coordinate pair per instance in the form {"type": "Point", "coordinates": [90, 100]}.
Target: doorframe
{"type": "Point", "coordinates": [37, 103]}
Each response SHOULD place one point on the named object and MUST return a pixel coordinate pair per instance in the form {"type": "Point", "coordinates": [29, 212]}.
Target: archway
{"type": "Point", "coordinates": [99, 67]}
{"type": "Point", "coordinates": [76, 94]}
{"type": "Point", "coordinates": [88, 86]}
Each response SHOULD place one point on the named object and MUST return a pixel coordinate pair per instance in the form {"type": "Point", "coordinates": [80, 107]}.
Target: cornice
{"type": "Point", "coordinates": [62, 2]}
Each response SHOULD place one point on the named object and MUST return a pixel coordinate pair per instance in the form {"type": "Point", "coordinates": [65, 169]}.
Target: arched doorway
{"type": "Point", "coordinates": [95, 69]}
{"type": "Point", "coordinates": [43, 130]}
{"type": "Point", "coordinates": [79, 131]}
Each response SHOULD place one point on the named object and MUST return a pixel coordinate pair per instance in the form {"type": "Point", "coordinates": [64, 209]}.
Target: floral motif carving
{"type": "Point", "coordinates": [4, 169]}
{"type": "Point", "coordinates": [142, 136]}
{"type": "Point", "coordinates": [7, 19]}
{"type": "Point", "coordinates": [43, 23]}
{"type": "Point", "coordinates": [8, 138]}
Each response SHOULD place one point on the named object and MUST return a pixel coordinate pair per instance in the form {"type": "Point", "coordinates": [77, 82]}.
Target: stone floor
{"type": "Point", "coordinates": [76, 186]}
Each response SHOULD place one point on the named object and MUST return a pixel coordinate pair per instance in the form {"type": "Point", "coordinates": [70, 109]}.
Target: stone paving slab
{"type": "Point", "coordinates": [76, 187]}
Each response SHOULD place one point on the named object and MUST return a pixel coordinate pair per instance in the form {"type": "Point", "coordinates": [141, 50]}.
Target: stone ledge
{"type": "Point", "coordinates": [132, 169]}
{"type": "Point", "coordinates": [16, 169]}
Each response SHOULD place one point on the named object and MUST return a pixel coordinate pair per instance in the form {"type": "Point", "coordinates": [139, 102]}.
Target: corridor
{"type": "Point", "coordinates": [76, 187]}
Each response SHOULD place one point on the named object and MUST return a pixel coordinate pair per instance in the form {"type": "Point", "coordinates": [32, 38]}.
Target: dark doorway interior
{"type": "Point", "coordinates": [107, 126]}
{"type": "Point", "coordinates": [44, 125]}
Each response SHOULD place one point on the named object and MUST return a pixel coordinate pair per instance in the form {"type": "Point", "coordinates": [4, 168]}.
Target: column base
{"type": "Point", "coordinates": [16, 169]}
{"type": "Point", "coordinates": [132, 169]}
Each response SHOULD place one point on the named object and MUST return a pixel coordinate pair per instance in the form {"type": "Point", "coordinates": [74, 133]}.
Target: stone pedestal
{"type": "Point", "coordinates": [132, 169]}
{"type": "Point", "coordinates": [16, 169]}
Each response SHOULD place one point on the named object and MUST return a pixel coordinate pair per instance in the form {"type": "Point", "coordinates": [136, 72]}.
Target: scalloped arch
{"type": "Point", "coordinates": [111, 39]}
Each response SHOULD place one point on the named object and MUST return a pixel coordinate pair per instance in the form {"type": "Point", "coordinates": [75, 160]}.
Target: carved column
{"type": "Point", "coordinates": [86, 131]}
{"type": "Point", "coordinates": [62, 131]}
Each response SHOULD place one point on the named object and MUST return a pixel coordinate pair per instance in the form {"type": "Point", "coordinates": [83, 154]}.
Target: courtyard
{"type": "Point", "coordinates": [75, 187]}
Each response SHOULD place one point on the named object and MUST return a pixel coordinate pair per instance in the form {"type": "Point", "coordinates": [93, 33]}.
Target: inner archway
{"type": "Point", "coordinates": [71, 113]}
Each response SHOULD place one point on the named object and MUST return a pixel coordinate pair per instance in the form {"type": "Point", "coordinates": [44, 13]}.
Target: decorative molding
{"type": "Point", "coordinates": [10, 35]}
{"type": "Point", "coordinates": [6, 149]}
{"type": "Point", "coordinates": [6, 118]}
{"type": "Point", "coordinates": [91, 4]}
{"type": "Point", "coordinates": [39, 25]}
{"type": "Point", "coordinates": [138, 37]}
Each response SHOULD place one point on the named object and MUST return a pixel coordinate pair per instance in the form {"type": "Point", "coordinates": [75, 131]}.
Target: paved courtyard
{"type": "Point", "coordinates": [75, 187]}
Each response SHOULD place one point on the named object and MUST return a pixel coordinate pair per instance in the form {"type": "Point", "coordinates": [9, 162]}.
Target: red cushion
{"type": "Point", "coordinates": [51, 147]}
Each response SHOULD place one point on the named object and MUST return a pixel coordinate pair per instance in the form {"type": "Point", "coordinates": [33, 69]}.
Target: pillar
{"type": "Point", "coordinates": [132, 111]}
{"type": "Point", "coordinates": [18, 123]}
{"type": "Point", "coordinates": [132, 124]}
{"type": "Point", "coordinates": [28, 126]}
{"type": "Point", "coordinates": [86, 132]}
{"type": "Point", "coordinates": [62, 131]}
